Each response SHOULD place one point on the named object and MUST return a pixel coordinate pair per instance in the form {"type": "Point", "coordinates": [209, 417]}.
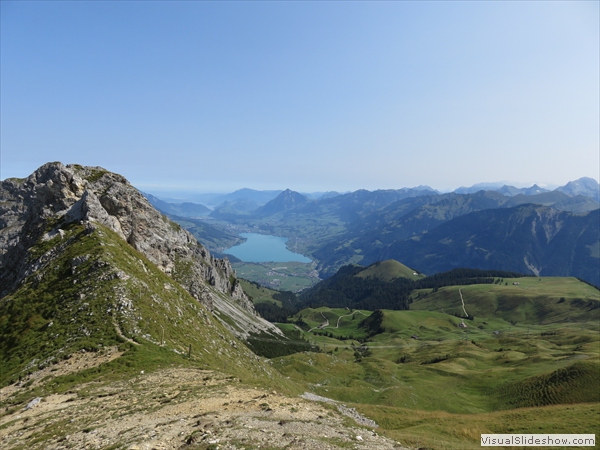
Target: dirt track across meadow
{"type": "Point", "coordinates": [180, 408]}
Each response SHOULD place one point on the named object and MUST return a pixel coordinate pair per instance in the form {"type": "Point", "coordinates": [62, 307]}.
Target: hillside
{"type": "Point", "coordinates": [397, 222]}
{"type": "Point", "coordinates": [391, 285]}
{"type": "Point", "coordinates": [285, 201]}
{"type": "Point", "coordinates": [526, 239]}
{"type": "Point", "coordinates": [372, 238]}
{"type": "Point", "coordinates": [275, 306]}
{"type": "Point", "coordinates": [119, 330]}
{"type": "Point", "coordinates": [61, 226]}
{"type": "Point", "coordinates": [527, 300]}
{"type": "Point", "coordinates": [93, 291]}
{"type": "Point", "coordinates": [526, 356]}
{"type": "Point", "coordinates": [388, 271]}
{"type": "Point", "coordinates": [381, 285]}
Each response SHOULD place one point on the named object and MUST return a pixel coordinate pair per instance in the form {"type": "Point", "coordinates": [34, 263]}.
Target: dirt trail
{"type": "Point", "coordinates": [322, 325]}
{"type": "Point", "coordinates": [77, 362]}
{"type": "Point", "coordinates": [463, 302]}
{"type": "Point", "coordinates": [352, 314]}
{"type": "Point", "coordinates": [326, 323]}
{"type": "Point", "coordinates": [180, 408]}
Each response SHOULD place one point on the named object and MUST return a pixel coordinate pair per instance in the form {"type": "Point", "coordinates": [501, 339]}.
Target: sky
{"type": "Point", "coordinates": [311, 96]}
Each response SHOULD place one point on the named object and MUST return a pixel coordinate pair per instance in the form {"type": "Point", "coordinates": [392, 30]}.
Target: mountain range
{"type": "Point", "coordinates": [529, 239]}
{"type": "Point", "coordinates": [251, 199]}
{"type": "Point", "coordinates": [406, 224]}
{"type": "Point", "coordinates": [404, 229]}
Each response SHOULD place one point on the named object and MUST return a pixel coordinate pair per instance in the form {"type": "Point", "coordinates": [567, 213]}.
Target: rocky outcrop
{"type": "Point", "coordinates": [55, 195]}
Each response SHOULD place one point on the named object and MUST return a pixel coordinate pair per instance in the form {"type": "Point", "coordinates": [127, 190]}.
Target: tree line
{"type": "Point", "coordinates": [346, 290]}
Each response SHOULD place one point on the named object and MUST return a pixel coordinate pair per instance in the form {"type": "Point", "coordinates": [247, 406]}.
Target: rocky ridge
{"type": "Point", "coordinates": [36, 209]}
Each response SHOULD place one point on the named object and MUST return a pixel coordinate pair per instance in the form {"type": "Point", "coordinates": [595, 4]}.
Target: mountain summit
{"type": "Point", "coordinates": [583, 186]}
{"type": "Point", "coordinates": [46, 214]}
{"type": "Point", "coordinates": [288, 199]}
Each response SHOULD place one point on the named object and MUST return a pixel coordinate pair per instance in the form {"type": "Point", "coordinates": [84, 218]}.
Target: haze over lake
{"type": "Point", "coordinates": [264, 248]}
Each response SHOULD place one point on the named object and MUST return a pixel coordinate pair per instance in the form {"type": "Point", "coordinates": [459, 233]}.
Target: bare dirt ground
{"type": "Point", "coordinates": [177, 409]}
{"type": "Point", "coordinates": [77, 361]}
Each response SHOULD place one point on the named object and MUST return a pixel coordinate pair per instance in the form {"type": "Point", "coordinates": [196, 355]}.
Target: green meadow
{"type": "Point", "coordinates": [533, 300]}
{"type": "Point", "coordinates": [527, 360]}
{"type": "Point", "coordinates": [258, 293]}
{"type": "Point", "coordinates": [288, 276]}
{"type": "Point", "coordinates": [389, 270]}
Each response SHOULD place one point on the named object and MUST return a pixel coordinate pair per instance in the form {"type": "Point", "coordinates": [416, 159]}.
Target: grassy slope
{"type": "Point", "coordinates": [533, 301]}
{"type": "Point", "coordinates": [441, 430]}
{"type": "Point", "coordinates": [443, 391]}
{"type": "Point", "coordinates": [342, 322]}
{"type": "Point", "coordinates": [389, 270]}
{"type": "Point", "coordinates": [259, 294]}
{"type": "Point", "coordinates": [57, 312]}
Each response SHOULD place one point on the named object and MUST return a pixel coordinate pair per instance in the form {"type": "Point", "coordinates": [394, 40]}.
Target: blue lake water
{"type": "Point", "coordinates": [263, 248]}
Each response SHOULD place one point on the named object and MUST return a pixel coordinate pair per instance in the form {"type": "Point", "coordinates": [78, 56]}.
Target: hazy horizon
{"type": "Point", "coordinates": [176, 193]}
{"type": "Point", "coordinates": [186, 191]}
{"type": "Point", "coordinates": [311, 96]}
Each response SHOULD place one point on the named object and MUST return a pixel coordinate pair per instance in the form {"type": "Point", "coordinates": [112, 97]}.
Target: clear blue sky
{"type": "Point", "coordinates": [314, 96]}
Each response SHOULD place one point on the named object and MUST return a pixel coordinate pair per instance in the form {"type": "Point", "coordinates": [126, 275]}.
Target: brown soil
{"type": "Point", "coordinates": [177, 408]}
{"type": "Point", "coordinates": [77, 362]}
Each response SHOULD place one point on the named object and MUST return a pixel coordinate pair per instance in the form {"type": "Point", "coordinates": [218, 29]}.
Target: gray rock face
{"type": "Point", "coordinates": [33, 209]}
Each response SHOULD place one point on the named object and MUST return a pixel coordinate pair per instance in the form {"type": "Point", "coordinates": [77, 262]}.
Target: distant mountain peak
{"type": "Point", "coordinates": [533, 190]}
{"type": "Point", "coordinates": [583, 186]}
{"type": "Point", "coordinates": [424, 187]}
{"type": "Point", "coordinates": [479, 187]}
{"type": "Point", "coordinates": [288, 199]}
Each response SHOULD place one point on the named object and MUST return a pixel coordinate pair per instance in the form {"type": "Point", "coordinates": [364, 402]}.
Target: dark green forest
{"type": "Point", "coordinates": [347, 290]}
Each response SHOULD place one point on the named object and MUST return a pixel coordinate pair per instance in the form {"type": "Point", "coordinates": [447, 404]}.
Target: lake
{"type": "Point", "coordinates": [264, 248]}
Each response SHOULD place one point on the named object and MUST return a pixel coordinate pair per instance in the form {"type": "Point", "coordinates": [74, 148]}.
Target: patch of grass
{"type": "Point", "coordinates": [182, 269]}
{"type": "Point", "coordinates": [532, 301]}
{"type": "Point", "coordinates": [344, 324]}
{"type": "Point", "coordinates": [258, 293]}
{"type": "Point", "coordinates": [441, 430]}
{"type": "Point", "coordinates": [389, 270]}
{"type": "Point", "coordinates": [271, 346]}
{"type": "Point", "coordinates": [174, 226]}
{"type": "Point", "coordinates": [95, 175]}
{"type": "Point", "coordinates": [44, 319]}
{"type": "Point", "coordinates": [571, 384]}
